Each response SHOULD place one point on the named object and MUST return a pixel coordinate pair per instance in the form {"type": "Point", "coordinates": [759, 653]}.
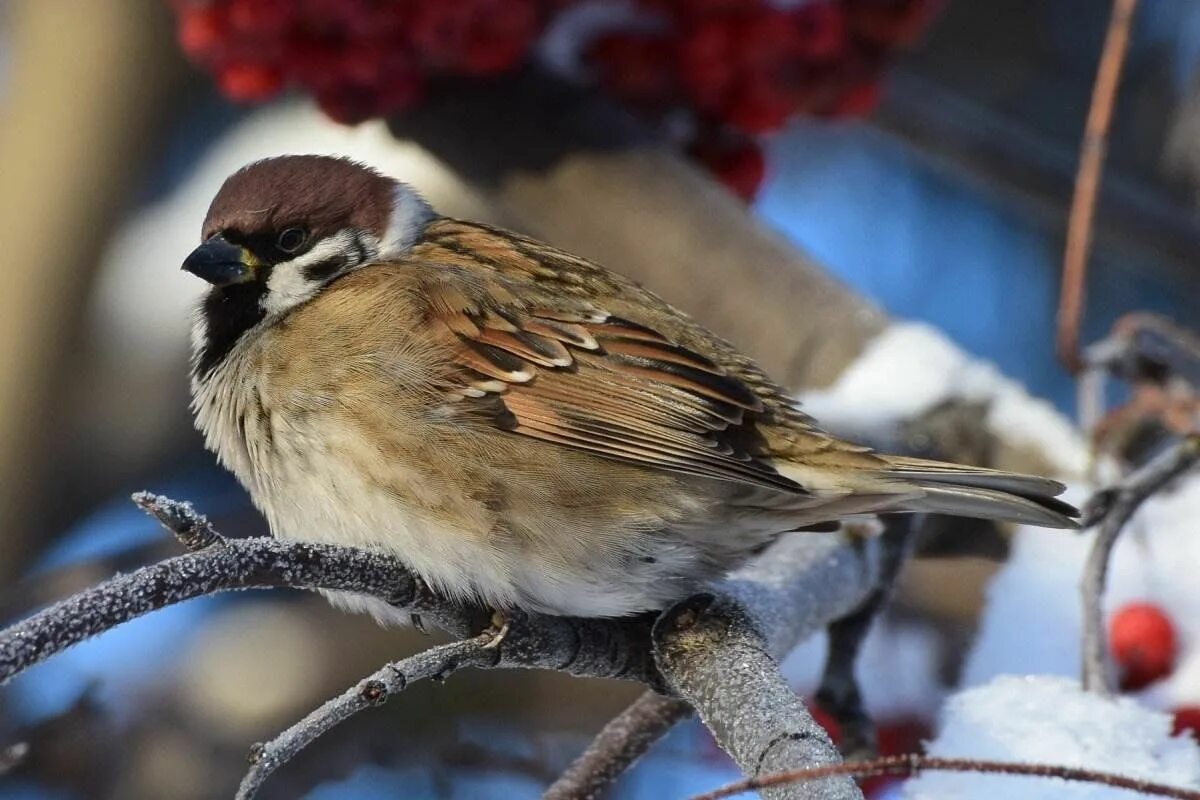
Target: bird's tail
{"type": "Point", "coordinates": [944, 488]}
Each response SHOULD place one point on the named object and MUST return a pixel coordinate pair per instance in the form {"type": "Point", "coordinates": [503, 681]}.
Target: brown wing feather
{"type": "Point", "coordinates": [582, 378]}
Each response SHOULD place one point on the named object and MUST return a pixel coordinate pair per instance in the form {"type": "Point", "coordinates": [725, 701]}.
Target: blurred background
{"type": "Point", "coordinates": [922, 153]}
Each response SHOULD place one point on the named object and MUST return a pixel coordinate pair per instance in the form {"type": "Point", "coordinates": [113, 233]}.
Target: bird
{"type": "Point", "coordinates": [523, 428]}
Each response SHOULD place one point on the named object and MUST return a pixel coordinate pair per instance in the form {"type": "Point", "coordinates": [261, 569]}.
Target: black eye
{"type": "Point", "coordinates": [292, 240]}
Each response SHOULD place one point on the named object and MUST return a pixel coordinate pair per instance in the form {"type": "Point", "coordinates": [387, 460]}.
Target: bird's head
{"type": "Point", "coordinates": [282, 228]}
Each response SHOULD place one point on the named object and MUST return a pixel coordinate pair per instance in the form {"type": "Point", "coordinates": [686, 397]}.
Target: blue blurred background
{"type": "Point", "coordinates": [947, 206]}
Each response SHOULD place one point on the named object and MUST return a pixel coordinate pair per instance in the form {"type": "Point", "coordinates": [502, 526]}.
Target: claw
{"type": "Point", "coordinates": [498, 630]}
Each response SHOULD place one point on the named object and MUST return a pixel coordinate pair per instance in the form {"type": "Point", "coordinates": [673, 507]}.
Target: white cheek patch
{"type": "Point", "coordinates": [410, 215]}
{"type": "Point", "coordinates": [290, 284]}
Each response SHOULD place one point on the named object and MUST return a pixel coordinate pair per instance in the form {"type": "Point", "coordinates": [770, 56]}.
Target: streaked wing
{"type": "Point", "coordinates": [563, 370]}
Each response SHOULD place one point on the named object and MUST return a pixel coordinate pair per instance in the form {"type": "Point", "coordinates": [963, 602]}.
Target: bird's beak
{"type": "Point", "coordinates": [221, 263]}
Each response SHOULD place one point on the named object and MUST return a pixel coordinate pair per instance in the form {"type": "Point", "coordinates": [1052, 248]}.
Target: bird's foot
{"type": "Point", "coordinates": [497, 630]}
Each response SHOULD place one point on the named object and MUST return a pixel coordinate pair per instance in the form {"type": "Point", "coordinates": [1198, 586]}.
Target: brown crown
{"type": "Point", "coordinates": [322, 193]}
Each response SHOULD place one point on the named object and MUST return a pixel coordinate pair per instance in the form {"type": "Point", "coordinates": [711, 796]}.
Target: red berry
{"type": "Point", "coordinates": [741, 166]}
{"type": "Point", "coordinates": [248, 83]}
{"type": "Point", "coordinates": [826, 721]}
{"type": "Point", "coordinates": [766, 41]}
{"type": "Point", "coordinates": [353, 20]}
{"type": "Point", "coordinates": [897, 737]}
{"type": "Point", "coordinates": [900, 736]}
{"type": "Point", "coordinates": [1142, 642]}
{"type": "Point", "coordinates": [891, 22]}
{"type": "Point", "coordinates": [856, 101]}
{"type": "Point", "coordinates": [261, 17]}
{"type": "Point", "coordinates": [635, 67]}
{"type": "Point", "coordinates": [704, 63]}
{"type": "Point", "coordinates": [474, 37]}
{"type": "Point", "coordinates": [1187, 718]}
{"type": "Point", "coordinates": [821, 29]}
{"type": "Point", "coordinates": [314, 63]}
{"type": "Point", "coordinates": [202, 31]}
{"type": "Point", "coordinates": [700, 11]}
{"type": "Point", "coordinates": [348, 105]}
{"type": "Point", "coordinates": [763, 105]}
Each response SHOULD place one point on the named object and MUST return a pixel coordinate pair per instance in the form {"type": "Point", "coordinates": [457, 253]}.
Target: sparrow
{"type": "Point", "coordinates": [522, 427]}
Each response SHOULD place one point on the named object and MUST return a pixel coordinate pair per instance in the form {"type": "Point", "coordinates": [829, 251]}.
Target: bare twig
{"type": "Point", "coordinates": [190, 527]}
{"type": "Point", "coordinates": [839, 693]}
{"type": "Point", "coordinates": [436, 662]}
{"type": "Point", "coordinates": [1087, 182]}
{"type": "Point", "coordinates": [624, 740]}
{"type": "Point", "coordinates": [913, 763]}
{"type": "Point", "coordinates": [1111, 509]}
{"type": "Point", "coordinates": [12, 756]}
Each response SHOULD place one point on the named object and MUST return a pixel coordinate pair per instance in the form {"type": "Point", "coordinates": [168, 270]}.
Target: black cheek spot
{"type": "Point", "coordinates": [324, 270]}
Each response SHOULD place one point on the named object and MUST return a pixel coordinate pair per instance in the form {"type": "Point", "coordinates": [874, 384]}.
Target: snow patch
{"type": "Point", "coordinates": [1051, 720]}
{"type": "Point", "coordinates": [912, 367]}
{"type": "Point", "coordinates": [1033, 616]}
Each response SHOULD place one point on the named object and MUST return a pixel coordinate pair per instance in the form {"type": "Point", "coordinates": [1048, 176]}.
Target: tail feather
{"type": "Point", "coordinates": [978, 492]}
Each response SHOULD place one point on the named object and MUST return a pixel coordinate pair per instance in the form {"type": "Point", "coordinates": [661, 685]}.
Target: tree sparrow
{"type": "Point", "coordinates": [523, 427]}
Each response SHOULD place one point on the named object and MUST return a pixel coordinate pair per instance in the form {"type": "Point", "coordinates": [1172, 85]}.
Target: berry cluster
{"type": "Point", "coordinates": [358, 58]}
{"type": "Point", "coordinates": [737, 68]}
{"type": "Point", "coordinates": [752, 65]}
{"type": "Point", "coordinates": [745, 67]}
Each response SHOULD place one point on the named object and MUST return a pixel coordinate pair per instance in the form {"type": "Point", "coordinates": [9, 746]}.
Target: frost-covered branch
{"type": "Point", "coordinates": [914, 763]}
{"type": "Point", "coordinates": [599, 648]}
{"type": "Point", "coordinates": [376, 689]}
{"type": "Point", "coordinates": [1111, 509]}
{"type": "Point", "coordinates": [718, 652]}
{"type": "Point", "coordinates": [219, 565]}
{"type": "Point", "coordinates": [624, 740]}
{"type": "Point", "coordinates": [721, 652]}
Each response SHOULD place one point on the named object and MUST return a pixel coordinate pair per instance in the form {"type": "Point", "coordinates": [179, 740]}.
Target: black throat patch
{"type": "Point", "coordinates": [229, 311]}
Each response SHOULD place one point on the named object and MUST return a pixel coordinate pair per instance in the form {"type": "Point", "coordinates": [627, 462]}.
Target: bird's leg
{"type": "Point", "coordinates": [839, 693]}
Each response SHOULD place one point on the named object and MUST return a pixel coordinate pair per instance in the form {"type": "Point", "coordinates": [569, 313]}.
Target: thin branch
{"type": "Point", "coordinates": [914, 763]}
{"type": "Point", "coordinates": [597, 648]}
{"type": "Point", "coordinates": [1087, 182]}
{"type": "Point", "coordinates": [237, 564]}
{"type": "Point", "coordinates": [436, 662]}
{"type": "Point", "coordinates": [624, 740]}
{"type": "Point", "coordinates": [839, 693]}
{"type": "Point", "coordinates": [185, 523]}
{"type": "Point", "coordinates": [1112, 509]}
